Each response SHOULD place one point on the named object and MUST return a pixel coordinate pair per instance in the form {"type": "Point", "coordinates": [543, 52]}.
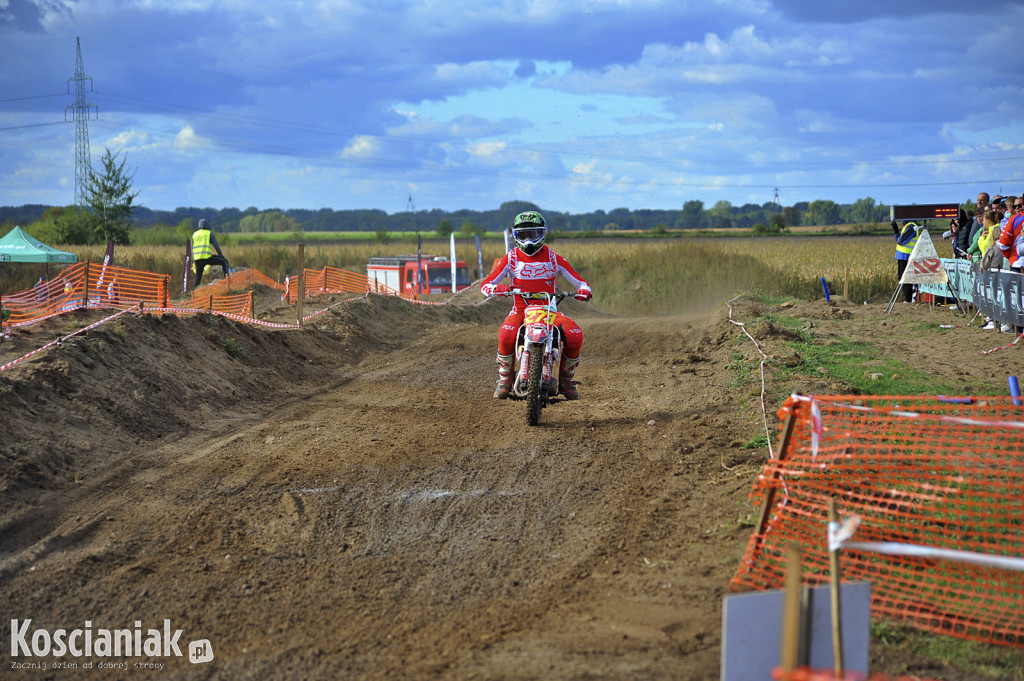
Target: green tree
{"type": "Point", "coordinates": [269, 221]}
{"type": "Point", "coordinates": [721, 215]}
{"type": "Point", "coordinates": [59, 225]}
{"type": "Point", "coordinates": [693, 215]}
{"type": "Point", "coordinates": [444, 228]}
{"type": "Point", "coordinates": [863, 211]}
{"type": "Point", "coordinates": [110, 196]}
{"type": "Point", "coordinates": [469, 229]}
{"type": "Point", "coordinates": [791, 214]}
{"type": "Point", "coordinates": [823, 212]}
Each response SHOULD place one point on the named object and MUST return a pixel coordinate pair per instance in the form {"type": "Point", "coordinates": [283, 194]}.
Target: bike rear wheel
{"type": "Point", "coordinates": [536, 394]}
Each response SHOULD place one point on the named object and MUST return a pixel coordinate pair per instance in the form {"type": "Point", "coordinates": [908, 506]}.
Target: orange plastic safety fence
{"type": "Point", "coordinates": [238, 304]}
{"type": "Point", "coordinates": [333, 280]}
{"type": "Point", "coordinates": [87, 285]}
{"type": "Point", "coordinates": [249, 277]}
{"type": "Point", "coordinates": [937, 478]}
{"type": "Point", "coordinates": [808, 674]}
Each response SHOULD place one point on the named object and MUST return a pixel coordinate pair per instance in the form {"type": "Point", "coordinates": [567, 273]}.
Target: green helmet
{"type": "Point", "coordinates": [529, 230]}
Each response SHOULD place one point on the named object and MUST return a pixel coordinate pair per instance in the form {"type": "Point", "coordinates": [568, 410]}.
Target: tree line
{"type": "Point", "coordinates": [111, 214]}
{"type": "Point", "coordinates": [693, 215]}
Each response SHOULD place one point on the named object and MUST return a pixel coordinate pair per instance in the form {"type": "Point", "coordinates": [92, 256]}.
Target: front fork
{"type": "Point", "coordinates": [523, 357]}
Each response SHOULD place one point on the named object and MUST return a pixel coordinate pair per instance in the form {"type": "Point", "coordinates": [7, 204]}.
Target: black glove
{"type": "Point", "coordinates": [895, 227]}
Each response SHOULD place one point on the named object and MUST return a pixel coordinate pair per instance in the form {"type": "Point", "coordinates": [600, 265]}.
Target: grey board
{"type": "Point", "coordinates": [752, 631]}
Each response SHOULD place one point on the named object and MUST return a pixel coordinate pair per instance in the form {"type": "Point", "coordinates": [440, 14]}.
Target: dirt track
{"type": "Point", "coordinates": [349, 502]}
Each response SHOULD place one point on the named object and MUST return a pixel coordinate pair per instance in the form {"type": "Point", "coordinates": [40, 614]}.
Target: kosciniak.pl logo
{"type": "Point", "coordinates": [89, 642]}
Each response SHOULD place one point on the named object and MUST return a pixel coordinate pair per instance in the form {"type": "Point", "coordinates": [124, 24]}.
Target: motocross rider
{"type": "Point", "coordinates": [533, 267]}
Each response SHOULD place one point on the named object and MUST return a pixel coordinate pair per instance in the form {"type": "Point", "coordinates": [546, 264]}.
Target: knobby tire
{"type": "Point", "coordinates": [535, 385]}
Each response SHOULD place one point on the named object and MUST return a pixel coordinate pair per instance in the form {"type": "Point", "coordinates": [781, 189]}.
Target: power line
{"type": "Point", "coordinates": [23, 99]}
{"type": "Point", "coordinates": [34, 125]}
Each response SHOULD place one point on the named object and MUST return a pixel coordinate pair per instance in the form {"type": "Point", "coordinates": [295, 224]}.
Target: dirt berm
{"type": "Point", "coordinates": [348, 502]}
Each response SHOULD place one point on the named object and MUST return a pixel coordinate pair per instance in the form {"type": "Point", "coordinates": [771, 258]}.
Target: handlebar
{"type": "Point", "coordinates": [530, 295]}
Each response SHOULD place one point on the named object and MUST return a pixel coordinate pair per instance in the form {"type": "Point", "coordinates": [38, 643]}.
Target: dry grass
{"type": "Point", "coordinates": [646, 276]}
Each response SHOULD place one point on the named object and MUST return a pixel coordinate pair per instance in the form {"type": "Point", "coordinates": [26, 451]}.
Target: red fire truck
{"type": "Point", "coordinates": [399, 273]}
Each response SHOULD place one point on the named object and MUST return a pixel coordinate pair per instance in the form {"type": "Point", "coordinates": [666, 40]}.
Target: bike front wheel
{"type": "Point", "coordinates": [535, 391]}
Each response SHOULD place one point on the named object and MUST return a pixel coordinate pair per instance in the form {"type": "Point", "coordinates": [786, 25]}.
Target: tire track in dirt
{"type": "Point", "coordinates": [401, 523]}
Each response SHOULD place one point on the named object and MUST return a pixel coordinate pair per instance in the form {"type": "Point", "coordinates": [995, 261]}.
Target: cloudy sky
{"type": "Point", "coordinates": [576, 105]}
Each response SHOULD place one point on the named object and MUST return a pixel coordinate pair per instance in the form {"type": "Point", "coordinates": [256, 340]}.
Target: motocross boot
{"type": "Point", "coordinates": [566, 371]}
{"type": "Point", "coordinates": [504, 377]}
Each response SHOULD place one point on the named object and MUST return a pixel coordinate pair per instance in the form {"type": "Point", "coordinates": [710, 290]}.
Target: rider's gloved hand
{"type": "Point", "coordinates": [583, 294]}
{"type": "Point", "coordinates": [494, 289]}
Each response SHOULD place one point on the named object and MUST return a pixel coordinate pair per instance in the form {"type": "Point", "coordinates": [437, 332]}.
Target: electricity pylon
{"type": "Point", "coordinates": [80, 112]}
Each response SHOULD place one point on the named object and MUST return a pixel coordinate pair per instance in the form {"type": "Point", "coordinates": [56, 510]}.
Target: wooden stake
{"type": "Point", "coordinates": [789, 655]}
{"type": "Point", "coordinates": [833, 566]}
{"type": "Point", "coordinates": [781, 452]}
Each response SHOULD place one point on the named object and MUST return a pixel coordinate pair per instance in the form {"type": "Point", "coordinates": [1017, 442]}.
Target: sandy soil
{"type": "Point", "coordinates": [348, 501]}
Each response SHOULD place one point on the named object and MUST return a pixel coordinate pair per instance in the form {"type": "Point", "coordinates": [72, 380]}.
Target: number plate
{"type": "Point", "coordinates": [539, 315]}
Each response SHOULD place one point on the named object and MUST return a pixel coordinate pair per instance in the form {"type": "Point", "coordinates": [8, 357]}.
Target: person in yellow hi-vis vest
{"type": "Point", "coordinates": [204, 243]}
{"type": "Point", "coordinates": [906, 239]}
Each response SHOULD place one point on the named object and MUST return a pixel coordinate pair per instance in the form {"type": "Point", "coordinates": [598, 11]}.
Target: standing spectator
{"type": "Point", "coordinates": [906, 239]}
{"type": "Point", "coordinates": [40, 288]}
{"type": "Point", "coordinates": [984, 239]}
{"type": "Point", "coordinates": [976, 225]}
{"type": "Point", "coordinates": [204, 242]}
{"type": "Point", "coordinates": [1011, 244]}
{"type": "Point", "coordinates": [962, 240]}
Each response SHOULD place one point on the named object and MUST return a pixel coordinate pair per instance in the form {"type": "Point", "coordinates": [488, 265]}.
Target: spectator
{"type": "Point", "coordinates": [204, 242]}
{"type": "Point", "coordinates": [984, 238]}
{"type": "Point", "coordinates": [962, 240]}
{"type": "Point", "coordinates": [976, 225]}
{"type": "Point", "coordinates": [40, 288]}
{"type": "Point", "coordinates": [1011, 244]}
{"type": "Point", "coordinates": [906, 239]}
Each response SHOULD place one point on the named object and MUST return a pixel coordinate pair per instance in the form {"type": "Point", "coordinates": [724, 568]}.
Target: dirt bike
{"type": "Point", "coordinates": [538, 347]}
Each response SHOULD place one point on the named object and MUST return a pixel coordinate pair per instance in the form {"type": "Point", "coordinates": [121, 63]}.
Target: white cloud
{"type": "Point", "coordinates": [362, 147]}
{"type": "Point", "coordinates": [188, 140]}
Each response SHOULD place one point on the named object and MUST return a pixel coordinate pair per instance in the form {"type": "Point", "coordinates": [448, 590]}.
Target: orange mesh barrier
{"type": "Point", "coordinates": [88, 285]}
{"type": "Point", "coordinates": [97, 286]}
{"type": "Point", "coordinates": [333, 280]}
{"type": "Point", "coordinates": [240, 304]}
{"type": "Point", "coordinates": [249, 277]}
{"type": "Point", "coordinates": [937, 485]}
{"type": "Point", "coordinates": [807, 674]}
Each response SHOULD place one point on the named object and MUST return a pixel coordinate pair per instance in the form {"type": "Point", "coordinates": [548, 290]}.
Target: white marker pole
{"type": "Point", "coordinates": [453, 261]}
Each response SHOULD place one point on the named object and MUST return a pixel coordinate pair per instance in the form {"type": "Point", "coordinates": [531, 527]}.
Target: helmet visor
{"type": "Point", "coordinates": [530, 233]}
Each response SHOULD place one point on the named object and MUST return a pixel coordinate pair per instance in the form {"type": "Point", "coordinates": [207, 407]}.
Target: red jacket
{"type": "Point", "coordinates": [1011, 239]}
{"type": "Point", "coordinates": [535, 273]}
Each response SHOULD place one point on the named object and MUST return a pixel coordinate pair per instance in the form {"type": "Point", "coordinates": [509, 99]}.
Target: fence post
{"type": "Point", "coordinates": [302, 283]}
{"type": "Point", "coordinates": [164, 286]}
{"type": "Point", "coordinates": [769, 497]}
{"type": "Point", "coordinates": [834, 586]}
{"type": "Point", "coordinates": [252, 306]}
{"type": "Point", "coordinates": [209, 303]}
{"type": "Point", "coordinates": [85, 286]}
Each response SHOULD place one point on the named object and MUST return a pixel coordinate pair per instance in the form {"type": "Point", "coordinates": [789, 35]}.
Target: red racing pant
{"type": "Point", "coordinates": [510, 329]}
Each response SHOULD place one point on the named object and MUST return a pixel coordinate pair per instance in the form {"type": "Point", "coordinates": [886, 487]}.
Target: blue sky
{"type": "Point", "coordinates": [576, 105]}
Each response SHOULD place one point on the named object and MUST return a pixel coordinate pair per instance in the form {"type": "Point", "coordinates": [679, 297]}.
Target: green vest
{"type": "Point", "coordinates": [202, 248]}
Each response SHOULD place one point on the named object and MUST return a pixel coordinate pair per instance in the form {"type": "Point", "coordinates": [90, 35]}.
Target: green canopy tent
{"type": "Point", "coordinates": [19, 246]}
